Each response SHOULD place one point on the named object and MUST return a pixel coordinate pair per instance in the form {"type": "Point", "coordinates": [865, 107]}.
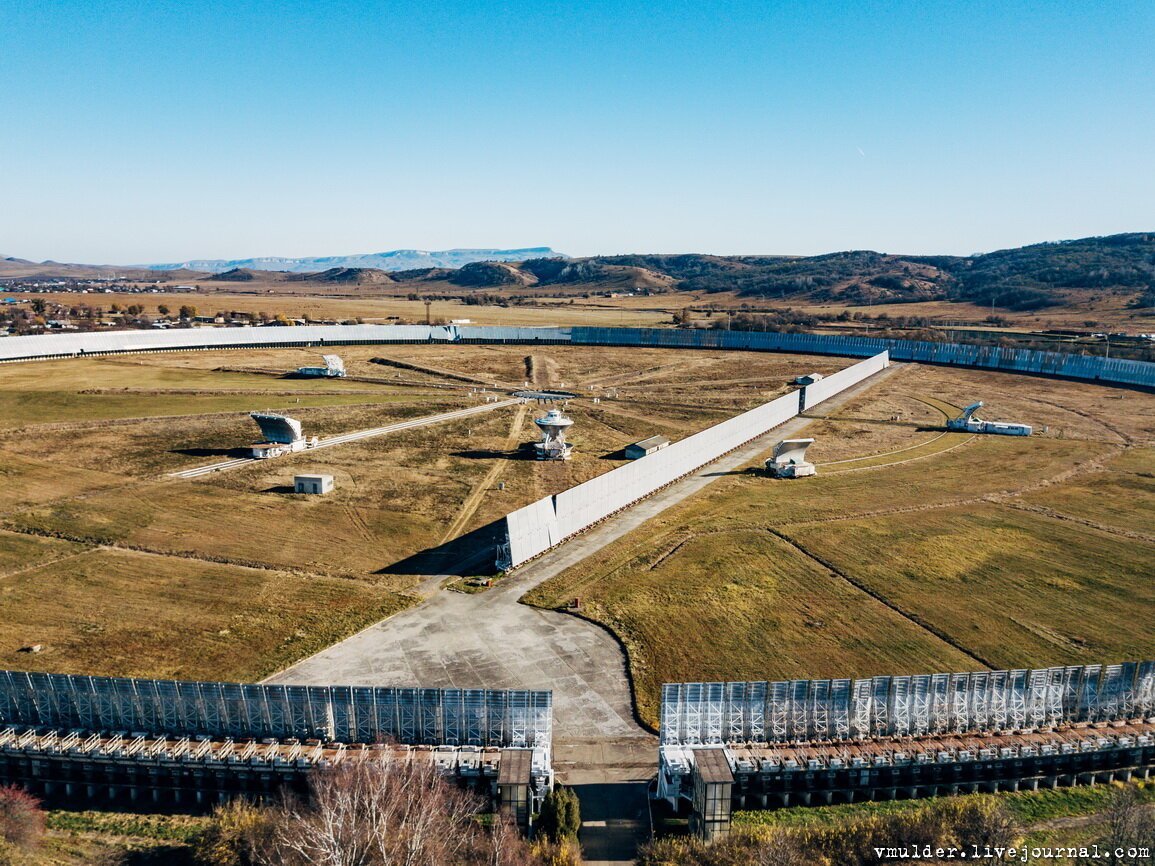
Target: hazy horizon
{"type": "Point", "coordinates": [153, 133]}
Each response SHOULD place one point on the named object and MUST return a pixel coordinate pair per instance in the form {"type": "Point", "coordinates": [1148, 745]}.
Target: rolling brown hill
{"type": "Point", "coordinates": [356, 276]}
{"type": "Point", "coordinates": [1024, 278]}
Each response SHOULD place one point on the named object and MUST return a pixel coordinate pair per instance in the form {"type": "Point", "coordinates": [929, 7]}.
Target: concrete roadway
{"type": "Point", "coordinates": [488, 640]}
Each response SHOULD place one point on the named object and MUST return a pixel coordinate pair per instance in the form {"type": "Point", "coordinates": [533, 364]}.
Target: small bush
{"type": "Point", "coordinates": [21, 820]}
{"type": "Point", "coordinates": [560, 817]}
{"type": "Point", "coordinates": [237, 832]}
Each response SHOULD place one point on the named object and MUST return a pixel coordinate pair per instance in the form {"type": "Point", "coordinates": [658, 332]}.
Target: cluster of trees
{"type": "Point", "coordinates": [385, 814]}
{"type": "Point", "coordinates": [407, 814]}
{"type": "Point", "coordinates": [1145, 301]}
{"type": "Point", "coordinates": [1032, 277]}
{"type": "Point", "coordinates": [484, 299]}
{"type": "Point", "coordinates": [83, 317]}
{"type": "Point", "coordinates": [789, 321]}
{"type": "Point", "coordinates": [357, 814]}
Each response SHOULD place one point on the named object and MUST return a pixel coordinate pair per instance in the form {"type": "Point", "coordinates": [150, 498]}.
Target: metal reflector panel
{"type": "Point", "coordinates": [703, 713]}
{"type": "Point", "coordinates": [336, 713]}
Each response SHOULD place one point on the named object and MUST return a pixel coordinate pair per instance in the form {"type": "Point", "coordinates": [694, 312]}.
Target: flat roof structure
{"type": "Point", "coordinates": [712, 765]}
{"type": "Point", "coordinates": [652, 442]}
{"type": "Point", "coordinates": [312, 483]}
{"type": "Point", "coordinates": [516, 767]}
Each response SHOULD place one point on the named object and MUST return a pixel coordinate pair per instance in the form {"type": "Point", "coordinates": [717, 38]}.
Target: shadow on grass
{"type": "Point", "coordinates": [212, 452]}
{"type": "Point", "coordinates": [471, 555]}
{"type": "Point", "coordinates": [750, 470]}
{"type": "Point", "coordinates": [483, 454]}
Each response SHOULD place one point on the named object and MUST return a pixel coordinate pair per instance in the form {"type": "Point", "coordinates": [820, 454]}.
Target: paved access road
{"type": "Point", "coordinates": [488, 640]}
{"type": "Point", "coordinates": [344, 438]}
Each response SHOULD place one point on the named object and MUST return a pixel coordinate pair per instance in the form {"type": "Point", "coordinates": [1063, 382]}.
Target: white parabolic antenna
{"type": "Point", "coordinates": [789, 460]}
{"type": "Point", "coordinates": [553, 426]}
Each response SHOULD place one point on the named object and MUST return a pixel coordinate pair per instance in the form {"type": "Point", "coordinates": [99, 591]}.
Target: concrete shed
{"type": "Point", "coordinates": [808, 379]}
{"type": "Point", "coordinates": [646, 446]}
{"type": "Point", "coordinates": [313, 484]}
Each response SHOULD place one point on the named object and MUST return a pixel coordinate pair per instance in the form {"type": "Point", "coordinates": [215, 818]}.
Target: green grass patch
{"type": "Point", "coordinates": [168, 828]}
{"type": "Point", "coordinates": [1028, 808]}
{"type": "Point", "coordinates": [1120, 497]}
{"type": "Point", "coordinates": [758, 608]}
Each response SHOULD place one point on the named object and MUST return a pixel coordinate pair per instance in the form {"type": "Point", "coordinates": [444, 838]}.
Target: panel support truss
{"type": "Point", "coordinates": [800, 710]}
{"type": "Point", "coordinates": [477, 717]}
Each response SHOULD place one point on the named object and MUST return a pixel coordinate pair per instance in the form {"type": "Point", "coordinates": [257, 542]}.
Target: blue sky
{"type": "Point", "coordinates": [134, 131]}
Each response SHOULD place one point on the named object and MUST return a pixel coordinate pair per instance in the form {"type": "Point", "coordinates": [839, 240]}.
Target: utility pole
{"type": "Point", "coordinates": [428, 304]}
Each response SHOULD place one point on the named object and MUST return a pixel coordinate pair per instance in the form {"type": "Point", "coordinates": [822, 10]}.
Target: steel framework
{"type": "Point", "coordinates": [800, 710]}
{"type": "Point", "coordinates": [343, 714]}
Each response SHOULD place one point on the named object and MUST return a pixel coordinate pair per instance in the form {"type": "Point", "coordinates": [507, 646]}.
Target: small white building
{"type": "Point", "coordinates": [808, 379]}
{"type": "Point", "coordinates": [646, 446]}
{"type": "Point", "coordinates": [312, 483]}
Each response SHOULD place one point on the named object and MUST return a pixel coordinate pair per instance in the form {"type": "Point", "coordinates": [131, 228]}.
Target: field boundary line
{"type": "Point", "coordinates": [473, 500]}
{"type": "Point", "coordinates": [900, 462]}
{"type": "Point", "coordinates": [886, 453]}
{"type": "Point", "coordinates": [94, 544]}
{"type": "Point", "coordinates": [1082, 521]}
{"type": "Point", "coordinates": [996, 498]}
{"type": "Point", "coordinates": [912, 618]}
{"type": "Point", "coordinates": [45, 562]}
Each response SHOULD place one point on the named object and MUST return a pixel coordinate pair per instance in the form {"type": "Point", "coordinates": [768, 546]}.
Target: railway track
{"type": "Point", "coordinates": [357, 436]}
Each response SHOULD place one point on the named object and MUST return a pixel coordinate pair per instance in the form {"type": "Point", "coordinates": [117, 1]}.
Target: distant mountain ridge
{"type": "Point", "coordinates": [1056, 273]}
{"type": "Point", "coordinates": [393, 260]}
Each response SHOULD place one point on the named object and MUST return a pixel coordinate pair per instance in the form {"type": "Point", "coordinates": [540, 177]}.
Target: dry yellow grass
{"type": "Point", "coordinates": [742, 604]}
{"type": "Point", "coordinates": [1018, 589]}
{"type": "Point", "coordinates": [1007, 551]}
{"type": "Point", "coordinates": [123, 613]}
{"type": "Point", "coordinates": [88, 444]}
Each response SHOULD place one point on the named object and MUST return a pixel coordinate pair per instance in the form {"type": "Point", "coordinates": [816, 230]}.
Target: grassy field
{"type": "Point", "coordinates": [1014, 588]}
{"type": "Point", "coordinates": [373, 305]}
{"type": "Point", "coordinates": [76, 838]}
{"type": "Point", "coordinates": [1078, 816]}
{"type": "Point", "coordinates": [117, 569]}
{"type": "Point", "coordinates": [759, 604]}
{"type": "Point", "coordinates": [908, 553]}
{"type": "Point", "coordinates": [1028, 808]}
{"type": "Point", "coordinates": [125, 613]}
